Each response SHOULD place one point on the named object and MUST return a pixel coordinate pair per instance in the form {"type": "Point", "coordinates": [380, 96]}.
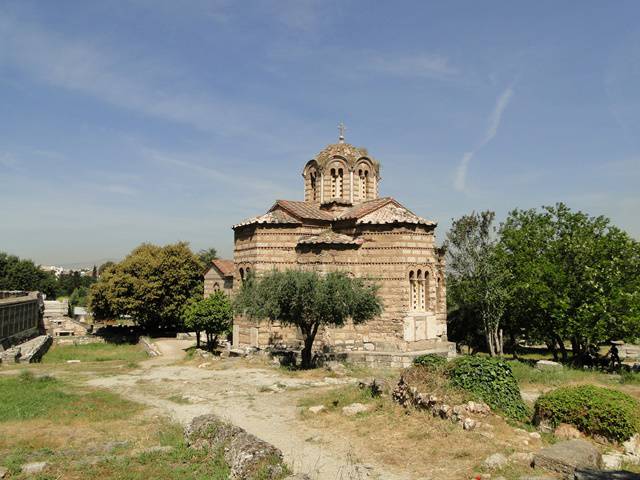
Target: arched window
{"type": "Point", "coordinates": [216, 287]}
{"type": "Point", "coordinates": [364, 184]}
{"type": "Point", "coordinates": [427, 290]}
{"type": "Point", "coordinates": [420, 281]}
{"type": "Point", "coordinates": [413, 290]}
{"type": "Point", "coordinates": [334, 180]}
{"type": "Point", "coordinates": [438, 294]}
{"type": "Point", "coordinates": [339, 183]}
{"type": "Point", "coordinates": [242, 274]}
{"type": "Point", "coordinates": [313, 177]}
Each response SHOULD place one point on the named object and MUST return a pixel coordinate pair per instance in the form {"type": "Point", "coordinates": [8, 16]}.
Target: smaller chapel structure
{"type": "Point", "coordinates": [344, 224]}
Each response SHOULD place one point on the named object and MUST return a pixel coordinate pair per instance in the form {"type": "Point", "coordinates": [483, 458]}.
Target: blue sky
{"type": "Point", "coordinates": [152, 120]}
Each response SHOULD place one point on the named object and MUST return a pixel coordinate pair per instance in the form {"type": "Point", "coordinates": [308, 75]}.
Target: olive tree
{"type": "Point", "coordinates": [308, 301]}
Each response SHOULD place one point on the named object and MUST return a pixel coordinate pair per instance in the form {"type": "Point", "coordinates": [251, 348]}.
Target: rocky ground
{"type": "Point", "coordinates": [262, 401]}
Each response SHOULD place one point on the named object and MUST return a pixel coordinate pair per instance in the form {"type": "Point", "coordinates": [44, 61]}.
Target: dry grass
{"type": "Point", "coordinates": [86, 433]}
{"type": "Point", "coordinates": [412, 440]}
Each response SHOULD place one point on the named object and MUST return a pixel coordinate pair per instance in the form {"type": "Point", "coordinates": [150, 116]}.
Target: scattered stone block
{"type": "Point", "coordinates": [632, 446]}
{"type": "Point", "coordinates": [3, 472]}
{"type": "Point", "coordinates": [535, 435]}
{"type": "Point", "coordinates": [33, 468]}
{"type": "Point", "coordinates": [612, 461]}
{"type": "Point", "coordinates": [567, 456]}
{"type": "Point", "coordinates": [243, 452]}
{"type": "Point", "coordinates": [495, 461]}
{"type": "Point", "coordinates": [605, 475]}
{"type": "Point", "coordinates": [547, 364]}
{"type": "Point", "coordinates": [468, 424]}
{"type": "Point", "coordinates": [354, 409]}
{"type": "Point", "coordinates": [73, 361]}
{"type": "Point", "coordinates": [525, 458]}
{"type": "Point", "coordinates": [567, 432]}
{"type": "Point", "coordinates": [317, 409]}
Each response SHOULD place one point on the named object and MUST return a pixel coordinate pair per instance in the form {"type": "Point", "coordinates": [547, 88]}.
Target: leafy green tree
{"type": "Point", "coordinates": [476, 279]}
{"type": "Point", "coordinates": [575, 278]}
{"type": "Point", "coordinates": [71, 281]}
{"type": "Point", "coordinates": [206, 256]}
{"type": "Point", "coordinates": [152, 285]}
{"type": "Point", "coordinates": [78, 298]}
{"type": "Point", "coordinates": [308, 301]}
{"type": "Point", "coordinates": [102, 268]}
{"type": "Point", "coordinates": [22, 274]}
{"type": "Point", "coordinates": [212, 315]}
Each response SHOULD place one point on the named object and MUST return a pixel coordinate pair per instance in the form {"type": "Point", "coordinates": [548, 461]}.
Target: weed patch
{"type": "Point", "coordinates": [95, 352]}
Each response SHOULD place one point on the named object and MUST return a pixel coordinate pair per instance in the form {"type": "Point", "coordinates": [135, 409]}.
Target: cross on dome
{"type": "Point", "coordinates": [341, 129]}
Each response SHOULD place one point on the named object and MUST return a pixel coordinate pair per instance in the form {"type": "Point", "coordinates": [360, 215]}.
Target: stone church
{"type": "Point", "coordinates": [344, 224]}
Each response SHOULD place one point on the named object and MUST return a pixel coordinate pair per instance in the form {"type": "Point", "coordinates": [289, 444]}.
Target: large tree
{"type": "Point", "coordinates": [22, 274]}
{"type": "Point", "coordinates": [476, 279]}
{"type": "Point", "coordinates": [308, 301]}
{"type": "Point", "coordinates": [152, 285]}
{"type": "Point", "coordinates": [575, 277]}
{"type": "Point", "coordinates": [206, 256]}
{"type": "Point", "coordinates": [212, 315]}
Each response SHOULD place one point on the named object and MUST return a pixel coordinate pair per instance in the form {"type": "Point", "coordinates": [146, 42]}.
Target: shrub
{"type": "Point", "coordinates": [593, 410]}
{"type": "Point", "coordinates": [492, 381]}
{"type": "Point", "coordinates": [430, 360]}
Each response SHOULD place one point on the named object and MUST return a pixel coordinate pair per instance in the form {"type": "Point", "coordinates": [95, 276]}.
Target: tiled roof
{"type": "Point", "coordinates": [304, 210]}
{"type": "Point", "coordinates": [383, 210]}
{"type": "Point", "coordinates": [226, 267]}
{"type": "Point", "coordinates": [329, 237]}
{"type": "Point", "coordinates": [392, 212]}
{"type": "Point", "coordinates": [275, 216]}
{"type": "Point", "coordinates": [364, 208]}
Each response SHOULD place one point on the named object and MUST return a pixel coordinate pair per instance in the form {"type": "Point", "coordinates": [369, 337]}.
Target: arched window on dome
{"type": "Point", "coordinates": [363, 175]}
{"type": "Point", "coordinates": [313, 181]}
{"type": "Point", "coordinates": [333, 183]}
{"type": "Point", "coordinates": [337, 176]}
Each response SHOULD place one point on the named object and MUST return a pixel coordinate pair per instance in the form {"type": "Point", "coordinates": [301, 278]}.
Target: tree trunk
{"type": "Point", "coordinates": [563, 349]}
{"type": "Point", "coordinates": [551, 346]}
{"type": "Point", "coordinates": [309, 336]}
{"type": "Point", "coordinates": [197, 338]}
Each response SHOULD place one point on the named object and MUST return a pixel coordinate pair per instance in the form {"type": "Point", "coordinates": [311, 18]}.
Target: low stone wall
{"type": "Point", "coordinates": [27, 352]}
{"type": "Point", "coordinates": [80, 340]}
{"type": "Point", "coordinates": [246, 454]}
{"type": "Point", "coordinates": [150, 347]}
{"type": "Point", "coordinates": [465, 414]}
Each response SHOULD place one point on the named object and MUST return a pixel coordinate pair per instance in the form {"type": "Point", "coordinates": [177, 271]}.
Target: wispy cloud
{"type": "Point", "coordinates": [124, 79]}
{"type": "Point", "coordinates": [191, 164]}
{"type": "Point", "coordinates": [493, 123]}
{"type": "Point", "coordinates": [420, 65]}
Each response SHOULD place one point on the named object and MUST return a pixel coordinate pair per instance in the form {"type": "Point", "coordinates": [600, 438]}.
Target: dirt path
{"type": "Point", "coordinates": [261, 401]}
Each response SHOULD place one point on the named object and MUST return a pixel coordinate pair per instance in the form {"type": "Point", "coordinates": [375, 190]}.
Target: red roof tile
{"type": "Point", "coordinates": [226, 267]}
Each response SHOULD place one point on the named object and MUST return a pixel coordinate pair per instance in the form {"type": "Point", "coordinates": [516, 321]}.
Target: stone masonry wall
{"type": "Point", "coordinates": [20, 317]}
{"type": "Point", "coordinates": [386, 257]}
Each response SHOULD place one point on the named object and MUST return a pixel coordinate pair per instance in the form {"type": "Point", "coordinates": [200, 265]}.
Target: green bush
{"type": "Point", "coordinates": [492, 381]}
{"type": "Point", "coordinates": [593, 410]}
{"type": "Point", "coordinates": [430, 360]}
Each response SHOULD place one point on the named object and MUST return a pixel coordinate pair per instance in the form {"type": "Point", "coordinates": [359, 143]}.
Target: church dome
{"type": "Point", "coordinates": [341, 173]}
{"type": "Point", "coordinates": [347, 152]}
